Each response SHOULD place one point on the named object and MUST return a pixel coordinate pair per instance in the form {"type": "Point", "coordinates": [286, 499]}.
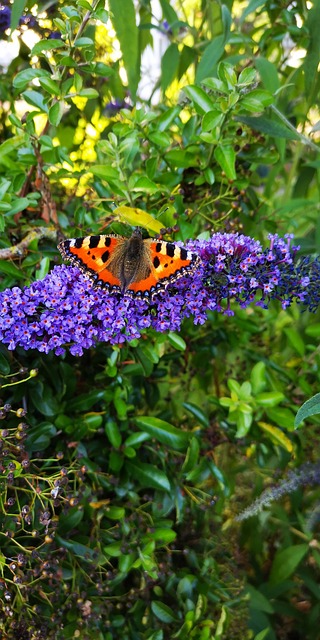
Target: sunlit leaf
{"type": "Point", "coordinates": [164, 432]}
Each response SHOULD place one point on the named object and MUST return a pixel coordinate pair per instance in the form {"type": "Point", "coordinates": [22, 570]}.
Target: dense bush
{"type": "Point", "coordinates": [125, 470]}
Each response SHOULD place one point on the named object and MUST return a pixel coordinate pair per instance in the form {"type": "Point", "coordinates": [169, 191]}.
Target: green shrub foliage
{"type": "Point", "coordinates": [124, 472]}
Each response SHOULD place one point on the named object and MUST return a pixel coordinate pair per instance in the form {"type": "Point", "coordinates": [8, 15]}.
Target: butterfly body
{"type": "Point", "coordinates": [131, 266]}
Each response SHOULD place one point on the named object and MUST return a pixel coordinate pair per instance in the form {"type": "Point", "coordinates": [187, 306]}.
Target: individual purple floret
{"type": "Point", "coordinates": [64, 310]}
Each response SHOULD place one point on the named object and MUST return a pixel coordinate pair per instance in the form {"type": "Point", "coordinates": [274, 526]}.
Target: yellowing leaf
{"type": "Point", "coordinates": [138, 218]}
{"type": "Point", "coordinates": [277, 436]}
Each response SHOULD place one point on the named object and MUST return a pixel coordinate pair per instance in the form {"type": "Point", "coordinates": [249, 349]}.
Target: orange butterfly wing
{"type": "Point", "coordinates": [92, 254]}
{"type": "Point", "coordinates": [168, 262]}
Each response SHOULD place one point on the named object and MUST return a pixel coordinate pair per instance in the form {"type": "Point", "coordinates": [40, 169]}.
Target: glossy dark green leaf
{"type": "Point", "coordinates": [164, 432]}
{"type": "Point", "coordinates": [47, 45]}
{"type": "Point", "coordinates": [70, 520]}
{"type": "Point", "coordinates": [85, 401]}
{"type": "Point", "coordinates": [197, 413]}
{"type": "Point", "coordinates": [44, 400]}
{"type": "Point", "coordinates": [113, 433]}
{"type": "Point", "coordinates": [10, 269]}
{"type": "Point", "coordinates": [202, 102]}
{"type": "Point", "coordinates": [226, 157]}
{"type": "Point", "coordinates": [148, 475]}
{"type": "Point", "coordinates": [164, 613]}
{"type": "Point", "coordinates": [176, 341]}
{"type": "Point", "coordinates": [56, 113]}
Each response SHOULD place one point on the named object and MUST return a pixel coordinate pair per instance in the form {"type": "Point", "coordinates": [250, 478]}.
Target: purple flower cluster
{"type": "Point", "coordinates": [65, 310]}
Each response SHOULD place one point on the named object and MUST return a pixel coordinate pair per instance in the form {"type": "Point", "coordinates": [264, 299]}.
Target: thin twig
{"type": "Point", "coordinates": [20, 249]}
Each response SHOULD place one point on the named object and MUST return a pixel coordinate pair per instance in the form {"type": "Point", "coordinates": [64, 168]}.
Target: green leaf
{"type": "Point", "coordinates": [268, 74]}
{"type": "Point", "coordinates": [88, 93]}
{"type": "Point", "coordinates": [160, 535]}
{"type": "Point", "coordinates": [115, 513]}
{"type": "Point", "coordinates": [17, 8]}
{"type": "Point", "coordinates": [270, 127]}
{"type": "Point", "coordinates": [163, 612]}
{"type": "Point", "coordinates": [123, 17]}
{"type": "Point", "coordinates": [313, 330]}
{"type": "Point", "coordinates": [47, 45]}
{"type": "Point", "coordinates": [11, 270]}
{"type": "Point", "coordinates": [197, 413]}
{"type": "Point", "coordinates": [269, 398]}
{"type": "Point", "coordinates": [202, 102]}
{"type": "Point", "coordinates": [164, 432]}
{"type": "Point", "coordinates": [310, 408]}
{"type": "Point", "coordinates": [295, 340]}
{"type": "Point", "coordinates": [191, 458]}
{"type": "Point", "coordinates": [104, 171]}
{"type": "Point", "coordinates": [311, 61]}
{"type": "Point", "coordinates": [168, 12]}
{"type": "Point", "coordinates": [251, 7]}
{"type": "Point", "coordinates": [258, 600]}
{"type": "Point", "coordinates": [43, 268]}
{"type": "Point", "coordinates": [22, 79]}
{"type": "Point", "coordinates": [211, 120]}
{"type": "Point", "coordinates": [56, 113]}
{"type": "Point", "coordinates": [4, 365]}
{"type": "Point", "coordinates": [144, 185]}
{"type": "Point", "coordinates": [258, 377]}
{"type": "Point", "coordinates": [84, 401]}
{"type": "Point", "coordinates": [169, 65]}
{"type": "Point", "coordinates": [286, 561]}
{"type": "Point", "coordinates": [44, 401]}
{"type": "Point", "coordinates": [113, 433]}
{"type": "Point", "coordinates": [210, 58]}
{"type": "Point", "coordinates": [282, 417]}
{"type": "Point", "coordinates": [50, 85]}
{"type": "Point", "coordinates": [226, 157]}
{"type": "Point", "coordinates": [70, 519]}
{"type": "Point", "coordinates": [176, 341]}
{"type": "Point", "coordinates": [84, 42]}
{"type": "Point", "coordinates": [167, 118]}
{"type": "Point", "coordinates": [36, 99]}
{"type": "Point", "coordinates": [148, 475]}
{"type": "Point", "coordinates": [17, 205]}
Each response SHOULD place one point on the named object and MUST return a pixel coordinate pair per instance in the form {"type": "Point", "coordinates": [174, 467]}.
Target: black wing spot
{"type": "Point", "coordinates": [107, 241]}
{"type": "Point", "coordinates": [105, 256]}
{"type": "Point", "coordinates": [78, 243]}
{"type": "Point", "coordinates": [183, 254]}
{"type": "Point", "coordinates": [94, 241]}
{"type": "Point", "coordinates": [170, 250]}
{"type": "Point", "coordinates": [156, 262]}
{"type": "Point", "coordinates": [158, 247]}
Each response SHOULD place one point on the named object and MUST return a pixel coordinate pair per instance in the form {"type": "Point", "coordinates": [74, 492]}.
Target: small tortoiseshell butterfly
{"type": "Point", "coordinates": [132, 266]}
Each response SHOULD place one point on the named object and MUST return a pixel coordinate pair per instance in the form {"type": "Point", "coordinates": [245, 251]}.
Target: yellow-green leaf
{"type": "Point", "coordinates": [277, 436]}
{"type": "Point", "coordinates": [138, 218]}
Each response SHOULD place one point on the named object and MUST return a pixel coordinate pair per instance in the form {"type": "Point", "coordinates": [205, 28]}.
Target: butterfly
{"type": "Point", "coordinates": [131, 266]}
